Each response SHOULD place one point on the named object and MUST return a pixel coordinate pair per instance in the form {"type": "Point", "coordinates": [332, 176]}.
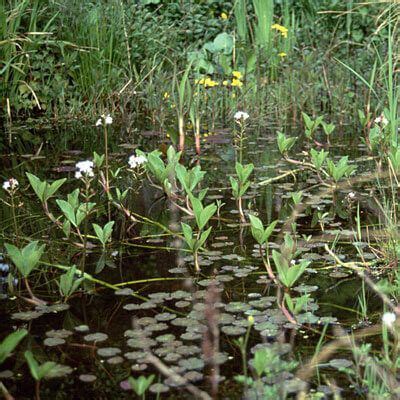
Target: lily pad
{"type": "Point", "coordinates": [96, 337]}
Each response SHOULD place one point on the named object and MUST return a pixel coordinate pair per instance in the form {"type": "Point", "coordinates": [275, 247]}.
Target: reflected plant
{"type": "Point", "coordinates": [26, 260]}
{"type": "Point", "coordinates": [69, 283]}
{"type": "Point", "coordinates": [202, 216]}
{"type": "Point", "coordinates": [141, 384]}
{"type": "Point", "coordinates": [241, 185]}
{"type": "Point", "coordinates": [261, 235]}
{"type": "Point", "coordinates": [297, 197]}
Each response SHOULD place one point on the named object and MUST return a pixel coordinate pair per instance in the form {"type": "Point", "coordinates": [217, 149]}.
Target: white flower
{"type": "Point", "coordinates": [135, 161]}
{"type": "Point", "coordinates": [106, 118]}
{"type": "Point", "coordinates": [84, 168]}
{"type": "Point", "coordinates": [381, 120]}
{"type": "Point", "coordinates": [241, 116]}
{"type": "Point", "coordinates": [351, 195]}
{"type": "Point", "coordinates": [10, 184]}
{"type": "Point", "coordinates": [388, 319]}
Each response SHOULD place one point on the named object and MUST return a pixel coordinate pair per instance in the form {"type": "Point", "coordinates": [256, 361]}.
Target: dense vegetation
{"type": "Point", "coordinates": [200, 198]}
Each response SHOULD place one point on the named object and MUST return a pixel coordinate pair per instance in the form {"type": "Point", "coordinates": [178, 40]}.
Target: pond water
{"type": "Point", "coordinates": [162, 306]}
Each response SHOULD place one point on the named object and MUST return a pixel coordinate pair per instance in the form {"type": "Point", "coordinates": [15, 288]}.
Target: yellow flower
{"type": "Point", "coordinates": [237, 83]}
{"type": "Point", "coordinates": [233, 95]}
{"type": "Point", "coordinates": [225, 83]}
{"type": "Point", "coordinates": [224, 16]}
{"type": "Point", "coordinates": [237, 74]}
{"type": "Point", "coordinates": [250, 320]}
{"type": "Point", "coordinates": [210, 83]}
{"type": "Point", "coordinates": [281, 29]}
{"type": "Point", "coordinates": [166, 95]}
{"type": "Point", "coordinates": [282, 54]}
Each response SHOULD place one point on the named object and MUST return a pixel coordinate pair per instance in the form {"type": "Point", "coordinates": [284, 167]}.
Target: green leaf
{"type": "Point", "coordinates": [206, 214]}
{"type": "Point", "coordinates": [8, 345]}
{"type": "Point", "coordinates": [33, 365]}
{"type": "Point", "coordinates": [27, 258]}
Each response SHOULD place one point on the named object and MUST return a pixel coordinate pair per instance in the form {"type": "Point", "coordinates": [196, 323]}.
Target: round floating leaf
{"type": "Point", "coordinates": [233, 330]}
{"type": "Point", "coordinates": [108, 351]}
{"type": "Point", "coordinates": [172, 357]}
{"type": "Point", "coordinates": [191, 363]}
{"type": "Point", "coordinates": [182, 304]}
{"type": "Point", "coordinates": [188, 350]}
{"type": "Point", "coordinates": [146, 321]}
{"type": "Point", "coordinates": [158, 388]}
{"type": "Point", "coordinates": [138, 367]}
{"type": "Point", "coordinates": [115, 360]}
{"type": "Point", "coordinates": [27, 315]}
{"type": "Point", "coordinates": [169, 337]}
{"type": "Point", "coordinates": [82, 328]}
{"type": "Point", "coordinates": [165, 316]}
{"type": "Point", "coordinates": [96, 337]}
{"type": "Point", "coordinates": [58, 371]}
{"type": "Point", "coordinates": [193, 376]}
{"type": "Point", "coordinates": [140, 343]}
{"type": "Point", "coordinates": [191, 336]}
{"type": "Point", "coordinates": [88, 378]}
{"type": "Point", "coordinates": [156, 327]}
{"type": "Point", "coordinates": [53, 341]}
{"type": "Point", "coordinates": [237, 307]}
{"type": "Point", "coordinates": [61, 333]}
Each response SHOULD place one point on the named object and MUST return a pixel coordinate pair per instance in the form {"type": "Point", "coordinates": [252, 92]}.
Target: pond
{"type": "Point", "coordinates": [146, 311]}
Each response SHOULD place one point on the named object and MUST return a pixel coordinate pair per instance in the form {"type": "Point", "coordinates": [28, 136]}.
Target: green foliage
{"type": "Point", "coordinates": [284, 143]}
{"type": "Point", "coordinates": [202, 214]}
{"type": "Point", "coordinates": [163, 172]}
{"type": "Point", "coordinates": [141, 384]}
{"type": "Point", "coordinates": [47, 370]}
{"type": "Point", "coordinates": [43, 189]}
{"type": "Point", "coordinates": [318, 158]}
{"type": "Point", "coordinates": [8, 345]}
{"type": "Point", "coordinates": [69, 284]}
{"type": "Point", "coordinates": [298, 304]}
{"type": "Point", "coordinates": [189, 179]}
{"type": "Point", "coordinates": [328, 128]}
{"type": "Point", "coordinates": [27, 258]}
{"type": "Point", "coordinates": [74, 211]}
{"type": "Point", "coordinates": [341, 169]}
{"type": "Point", "coordinates": [104, 234]}
{"type": "Point", "coordinates": [311, 125]}
{"type": "Point", "coordinates": [241, 185]}
{"type": "Point", "coordinates": [267, 365]}
{"type": "Point", "coordinates": [260, 234]}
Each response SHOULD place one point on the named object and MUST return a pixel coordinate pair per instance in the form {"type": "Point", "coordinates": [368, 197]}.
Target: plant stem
{"type": "Point", "coordinates": [14, 217]}
{"type": "Point", "coordinates": [37, 390]}
{"type": "Point", "coordinates": [107, 171]}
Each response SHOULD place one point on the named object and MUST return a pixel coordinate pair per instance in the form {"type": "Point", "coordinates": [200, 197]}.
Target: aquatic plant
{"type": "Point", "coordinates": [241, 185]}
{"type": "Point", "coordinates": [69, 283]}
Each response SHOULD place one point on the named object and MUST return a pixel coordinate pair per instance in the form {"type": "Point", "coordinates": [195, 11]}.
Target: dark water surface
{"type": "Point", "coordinates": [173, 316]}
